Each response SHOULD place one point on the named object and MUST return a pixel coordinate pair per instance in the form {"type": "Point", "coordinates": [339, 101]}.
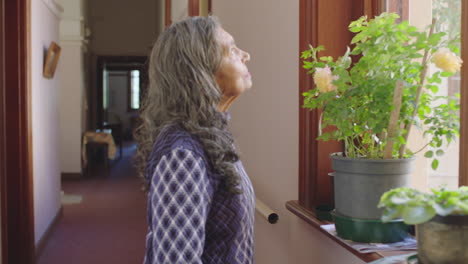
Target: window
{"type": "Point", "coordinates": [448, 15]}
{"type": "Point", "coordinates": [105, 89]}
{"type": "Point", "coordinates": [134, 90]}
{"type": "Point", "coordinates": [314, 165]}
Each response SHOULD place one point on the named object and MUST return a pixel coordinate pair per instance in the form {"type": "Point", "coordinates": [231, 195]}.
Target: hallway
{"type": "Point", "coordinates": [108, 225]}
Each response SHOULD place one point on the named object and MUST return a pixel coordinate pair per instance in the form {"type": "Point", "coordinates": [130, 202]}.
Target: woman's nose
{"type": "Point", "coordinates": [245, 57]}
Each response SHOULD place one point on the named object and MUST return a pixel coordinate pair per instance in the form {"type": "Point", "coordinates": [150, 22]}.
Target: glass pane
{"type": "Point", "coordinates": [448, 15]}
{"type": "Point", "coordinates": [105, 90]}
{"type": "Point", "coordinates": [135, 89]}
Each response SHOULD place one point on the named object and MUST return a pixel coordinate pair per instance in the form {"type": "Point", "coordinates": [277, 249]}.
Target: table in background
{"type": "Point", "coordinates": [117, 133]}
{"type": "Point", "coordinates": [100, 138]}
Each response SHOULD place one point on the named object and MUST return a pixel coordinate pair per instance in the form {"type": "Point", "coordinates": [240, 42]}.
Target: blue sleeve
{"type": "Point", "coordinates": [180, 198]}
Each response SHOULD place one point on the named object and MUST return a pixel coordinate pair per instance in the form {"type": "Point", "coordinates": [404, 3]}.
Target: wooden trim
{"type": "Point", "coordinates": [401, 7]}
{"type": "Point", "coordinates": [463, 169]}
{"type": "Point", "coordinates": [308, 29]}
{"type": "Point", "coordinates": [167, 13]}
{"type": "Point", "coordinates": [3, 173]}
{"type": "Point", "coordinates": [320, 23]}
{"type": "Point", "coordinates": [405, 10]}
{"type": "Point", "coordinates": [310, 217]}
{"type": "Point", "coordinates": [45, 238]}
{"type": "Point", "coordinates": [210, 7]}
{"type": "Point", "coordinates": [118, 74]}
{"type": "Point", "coordinates": [17, 182]}
{"type": "Point", "coordinates": [71, 176]}
{"type": "Point", "coordinates": [193, 7]}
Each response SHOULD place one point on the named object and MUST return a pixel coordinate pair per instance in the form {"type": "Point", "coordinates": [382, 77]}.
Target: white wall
{"type": "Point", "coordinates": [72, 88]}
{"type": "Point", "coordinates": [265, 124]}
{"type": "Point", "coordinates": [70, 100]}
{"type": "Point", "coordinates": [45, 118]}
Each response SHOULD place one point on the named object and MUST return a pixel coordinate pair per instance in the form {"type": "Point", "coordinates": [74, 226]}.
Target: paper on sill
{"type": "Point", "coordinates": [395, 259]}
{"type": "Point", "coordinates": [408, 244]}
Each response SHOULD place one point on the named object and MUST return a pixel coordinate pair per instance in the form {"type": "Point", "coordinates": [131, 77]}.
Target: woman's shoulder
{"type": "Point", "coordinates": [174, 136]}
{"type": "Point", "coordinates": [171, 138]}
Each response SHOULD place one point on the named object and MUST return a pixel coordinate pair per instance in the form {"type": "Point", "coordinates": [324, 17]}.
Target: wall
{"type": "Point", "coordinates": [130, 28]}
{"type": "Point", "coordinates": [72, 89]}
{"type": "Point", "coordinates": [265, 124]}
{"type": "Point", "coordinates": [45, 117]}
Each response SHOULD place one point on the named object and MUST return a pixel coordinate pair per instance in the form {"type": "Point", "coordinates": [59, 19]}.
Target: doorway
{"type": "Point", "coordinates": [122, 81]}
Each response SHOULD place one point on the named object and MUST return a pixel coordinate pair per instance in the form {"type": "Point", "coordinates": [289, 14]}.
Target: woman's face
{"type": "Point", "coordinates": [233, 77]}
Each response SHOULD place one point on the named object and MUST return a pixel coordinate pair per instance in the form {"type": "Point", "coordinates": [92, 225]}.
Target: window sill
{"type": "Point", "coordinates": [310, 217]}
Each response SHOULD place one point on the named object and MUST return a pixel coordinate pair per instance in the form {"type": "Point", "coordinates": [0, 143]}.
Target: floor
{"type": "Point", "coordinates": [104, 218]}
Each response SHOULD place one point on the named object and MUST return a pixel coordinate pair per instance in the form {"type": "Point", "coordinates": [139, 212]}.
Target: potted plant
{"type": "Point", "coordinates": [441, 219]}
{"type": "Point", "coordinates": [374, 102]}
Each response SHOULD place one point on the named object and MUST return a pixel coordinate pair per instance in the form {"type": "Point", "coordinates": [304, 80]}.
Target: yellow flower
{"type": "Point", "coordinates": [447, 60]}
{"type": "Point", "coordinates": [323, 79]}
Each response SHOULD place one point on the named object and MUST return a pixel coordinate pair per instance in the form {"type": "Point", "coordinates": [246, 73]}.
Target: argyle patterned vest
{"type": "Point", "coordinates": [191, 218]}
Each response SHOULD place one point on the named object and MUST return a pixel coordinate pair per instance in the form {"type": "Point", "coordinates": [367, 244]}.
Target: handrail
{"type": "Point", "coordinates": [266, 212]}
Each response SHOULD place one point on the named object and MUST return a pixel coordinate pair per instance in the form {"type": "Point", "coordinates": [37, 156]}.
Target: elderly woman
{"type": "Point", "coordinates": [201, 201]}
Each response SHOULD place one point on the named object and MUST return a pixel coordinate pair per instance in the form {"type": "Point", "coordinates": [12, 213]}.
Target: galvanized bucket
{"type": "Point", "coordinates": [359, 183]}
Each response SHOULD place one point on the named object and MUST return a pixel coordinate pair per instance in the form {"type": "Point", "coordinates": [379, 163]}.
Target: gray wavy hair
{"type": "Point", "coordinates": [182, 90]}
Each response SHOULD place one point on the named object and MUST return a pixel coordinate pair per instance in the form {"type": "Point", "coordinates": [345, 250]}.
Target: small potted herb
{"type": "Point", "coordinates": [441, 219]}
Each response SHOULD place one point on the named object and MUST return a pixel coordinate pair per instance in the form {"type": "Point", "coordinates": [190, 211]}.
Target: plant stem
{"type": "Point", "coordinates": [421, 149]}
{"type": "Point", "coordinates": [393, 122]}
{"type": "Point", "coordinates": [422, 78]}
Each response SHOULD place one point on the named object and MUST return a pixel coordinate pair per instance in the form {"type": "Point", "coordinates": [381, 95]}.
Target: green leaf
{"type": "Point", "coordinates": [434, 88]}
{"type": "Point", "coordinates": [355, 29]}
{"type": "Point", "coordinates": [446, 74]}
{"type": "Point", "coordinates": [435, 164]}
{"type": "Point", "coordinates": [326, 58]}
{"type": "Point", "coordinates": [439, 152]}
{"type": "Point", "coordinates": [358, 37]}
{"type": "Point", "coordinates": [399, 200]}
{"type": "Point", "coordinates": [443, 211]}
{"type": "Point", "coordinates": [429, 154]}
{"type": "Point", "coordinates": [390, 214]}
{"type": "Point", "coordinates": [414, 215]}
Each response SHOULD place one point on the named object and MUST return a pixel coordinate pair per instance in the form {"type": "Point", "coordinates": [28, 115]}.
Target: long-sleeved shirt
{"type": "Point", "coordinates": [191, 217]}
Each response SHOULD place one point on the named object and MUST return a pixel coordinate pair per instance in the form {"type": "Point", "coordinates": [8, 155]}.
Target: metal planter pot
{"type": "Point", "coordinates": [359, 183]}
{"type": "Point", "coordinates": [443, 240]}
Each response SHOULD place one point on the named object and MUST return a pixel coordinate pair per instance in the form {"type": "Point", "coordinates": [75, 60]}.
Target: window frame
{"type": "Point", "coordinates": [315, 186]}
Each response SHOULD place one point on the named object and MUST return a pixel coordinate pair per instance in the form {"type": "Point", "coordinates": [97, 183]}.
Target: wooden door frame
{"type": "Point", "coordinates": [17, 200]}
{"type": "Point", "coordinates": [463, 169]}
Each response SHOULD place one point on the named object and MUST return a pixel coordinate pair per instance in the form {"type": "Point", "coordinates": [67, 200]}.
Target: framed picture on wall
{"type": "Point", "coordinates": [51, 60]}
